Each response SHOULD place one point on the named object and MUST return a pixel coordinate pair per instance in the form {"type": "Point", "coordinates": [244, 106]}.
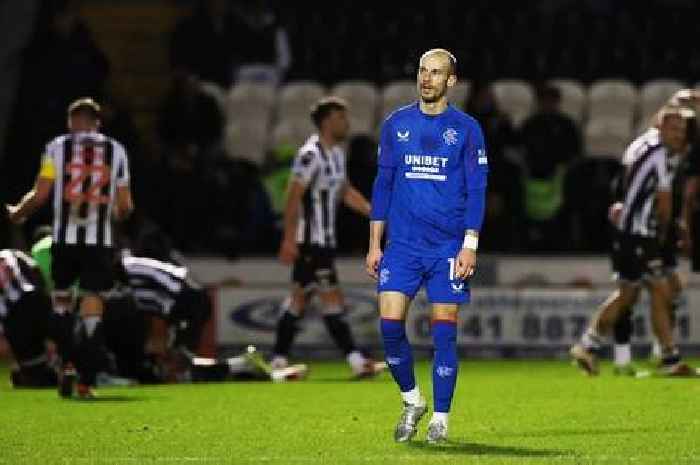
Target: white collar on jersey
{"type": "Point", "coordinates": [82, 135]}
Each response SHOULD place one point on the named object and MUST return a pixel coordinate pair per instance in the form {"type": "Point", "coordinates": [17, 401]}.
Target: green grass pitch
{"type": "Point", "coordinates": [515, 412]}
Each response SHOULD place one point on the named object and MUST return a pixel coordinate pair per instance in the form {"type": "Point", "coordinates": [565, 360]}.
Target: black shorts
{"type": "Point", "coordinates": [315, 266]}
{"type": "Point", "coordinates": [26, 325]}
{"type": "Point", "coordinates": [635, 258]}
{"type": "Point", "coordinates": [91, 265]}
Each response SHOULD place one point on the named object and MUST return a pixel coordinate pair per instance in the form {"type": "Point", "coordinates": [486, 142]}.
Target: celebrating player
{"type": "Point", "coordinates": [430, 193]}
{"type": "Point", "coordinates": [89, 175]}
{"type": "Point", "coordinates": [676, 238]}
{"type": "Point", "coordinates": [319, 183]}
{"type": "Point", "coordinates": [642, 222]}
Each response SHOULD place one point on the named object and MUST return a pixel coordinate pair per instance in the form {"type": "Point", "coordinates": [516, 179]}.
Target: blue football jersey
{"type": "Point", "coordinates": [437, 160]}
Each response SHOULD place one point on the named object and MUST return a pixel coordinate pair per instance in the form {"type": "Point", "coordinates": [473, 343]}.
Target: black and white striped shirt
{"type": "Point", "coordinates": [87, 168]}
{"type": "Point", "coordinates": [323, 173]}
{"type": "Point", "coordinates": [648, 169]}
{"type": "Point", "coordinates": [155, 285]}
{"type": "Point", "coordinates": [16, 277]}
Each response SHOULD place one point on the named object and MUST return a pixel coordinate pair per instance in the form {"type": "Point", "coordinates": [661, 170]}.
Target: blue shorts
{"type": "Point", "coordinates": [405, 273]}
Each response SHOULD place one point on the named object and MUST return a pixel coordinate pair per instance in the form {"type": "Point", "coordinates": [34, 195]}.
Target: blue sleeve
{"type": "Point", "coordinates": [477, 168]}
{"type": "Point", "coordinates": [381, 193]}
{"type": "Point", "coordinates": [385, 153]}
{"type": "Point", "coordinates": [384, 182]}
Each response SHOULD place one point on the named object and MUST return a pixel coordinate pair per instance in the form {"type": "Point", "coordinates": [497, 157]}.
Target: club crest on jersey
{"type": "Point", "coordinates": [403, 136]}
{"type": "Point", "coordinates": [481, 157]}
{"type": "Point", "coordinates": [450, 136]}
{"type": "Point", "coordinates": [306, 159]}
{"type": "Point", "coordinates": [384, 276]}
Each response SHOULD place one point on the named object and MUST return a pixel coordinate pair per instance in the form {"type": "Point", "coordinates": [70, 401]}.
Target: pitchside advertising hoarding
{"type": "Point", "coordinates": [520, 305]}
{"type": "Point", "coordinates": [498, 319]}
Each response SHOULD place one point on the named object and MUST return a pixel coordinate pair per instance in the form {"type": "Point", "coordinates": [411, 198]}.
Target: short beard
{"type": "Point", "coordinates": [433, 99]}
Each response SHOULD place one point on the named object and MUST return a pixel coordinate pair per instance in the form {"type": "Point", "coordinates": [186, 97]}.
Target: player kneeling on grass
{"type": "Point", "coordinates": [641, 221]}
{"type": "Point", "coordinates": [152, 288]}
{"type": "Point", "coordinates": [430, 192]}
{"type": "Point", "coordinates": [25, 319]}
{"type": "Point", "coordinates": [167, 291]}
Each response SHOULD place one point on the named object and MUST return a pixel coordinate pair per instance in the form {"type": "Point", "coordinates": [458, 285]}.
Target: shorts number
{"type": "Point", "coordinates": [99, 178]}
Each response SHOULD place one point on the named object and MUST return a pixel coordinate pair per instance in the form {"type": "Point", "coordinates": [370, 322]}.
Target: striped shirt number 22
{"type": "Point", "coordinates": [99, 178]}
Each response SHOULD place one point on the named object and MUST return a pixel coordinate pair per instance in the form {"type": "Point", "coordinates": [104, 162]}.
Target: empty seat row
{"type": "Point", "coordinates": [607, 110]}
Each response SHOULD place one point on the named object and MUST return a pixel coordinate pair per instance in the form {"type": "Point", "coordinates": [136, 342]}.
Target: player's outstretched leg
{"type": "Point", "coordinates": [340, 332]}
{"type": "Point", "coordinates": [399, 358]}
{"type": "Point", "coordinates": [585, 353]}
{"type": "Point", "coordinates": [445, 367]}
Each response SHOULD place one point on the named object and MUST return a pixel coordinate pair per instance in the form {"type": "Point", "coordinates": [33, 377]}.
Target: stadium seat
{"type": "Point", "coordinates": [607, 137]}
{"type": "Point", "coordinates": [573, 98]}
{"type": "Point", "coordinates": [250, 102]}
{"type": "Point", "coordinates": [397, 94]}
{"type": "Point", "coordinates": [655, 94]}
{"type": "Point", "coordinates": [246, 140]}
{"type": "Point", "coordinates": [458, 94]}
{"type": "Point", "coordinates": [361, 126]}
{"type": "Point", "coordinates": [515, 97]}
{"type": "Point", "coordinates": [363, 98]}
{"type": "Point", "coordinates": [612, 98]}
{"type": "Point", "coordinates": [296, 99]}
{"type": "Point", "coordinates": [292, 132]}
{"type": "Point", "coordinates": [248, 112]}
{"type": "Point", "coordinates": [261, 94]}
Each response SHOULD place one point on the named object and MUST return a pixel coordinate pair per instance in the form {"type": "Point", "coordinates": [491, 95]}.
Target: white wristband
{"type": "Point", "coordinates": [470, 242]}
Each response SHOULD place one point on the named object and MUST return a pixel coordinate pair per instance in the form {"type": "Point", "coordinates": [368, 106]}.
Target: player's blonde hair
{"type": "Point", "coordinates": [451, 59]}
{"type": "Point", "coordinates": [85, 105]}
{"type": "Point", "coordinates": [321, 109]}
{"type": "Point", "coordinates": [678, 111]}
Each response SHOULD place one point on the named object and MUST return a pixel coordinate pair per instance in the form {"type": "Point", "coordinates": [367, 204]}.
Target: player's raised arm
{"type": "Point", "coordinates": [381, 199]}
{"type": "Point", "coordinates": [476, 173]}
{"type": "Point", "coordinates": [35, 198]}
